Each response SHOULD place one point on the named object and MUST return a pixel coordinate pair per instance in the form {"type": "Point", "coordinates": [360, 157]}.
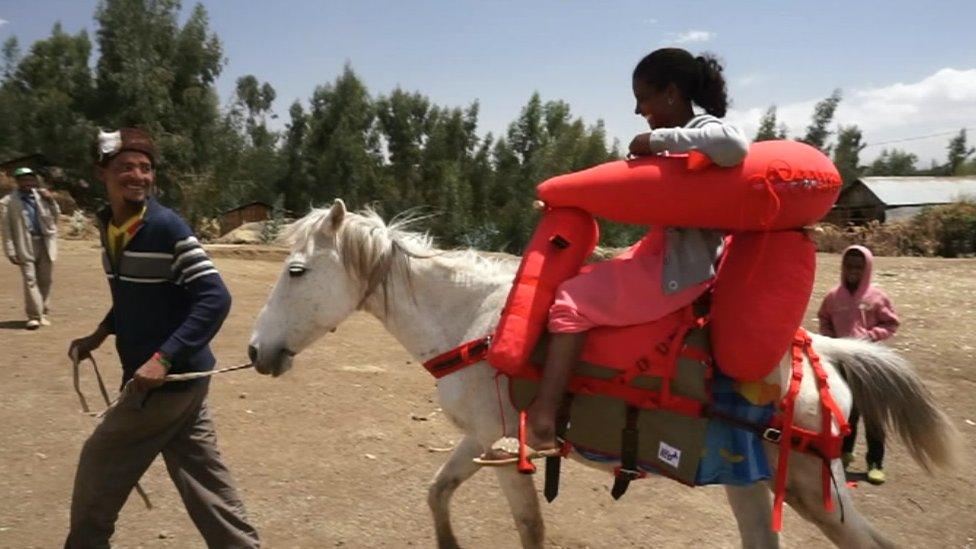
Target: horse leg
{"type": "Point", "coordinates": [804, 495]}
{"type": "Point", "coordinates": [457, 469]}
{"type": "Point", "coordinates": [524, 504]}
{"type": "Point", "coordinates": [753, 508]}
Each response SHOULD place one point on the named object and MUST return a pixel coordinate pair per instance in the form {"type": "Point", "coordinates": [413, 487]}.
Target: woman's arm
{"type": "Point", "coordinates": [724, 144]}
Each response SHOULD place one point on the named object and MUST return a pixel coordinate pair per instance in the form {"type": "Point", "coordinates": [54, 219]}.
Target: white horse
{"type": "Point", "coordinates": [432, 301]}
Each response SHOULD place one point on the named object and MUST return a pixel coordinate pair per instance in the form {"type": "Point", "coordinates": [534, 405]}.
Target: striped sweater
{"type": "Point", "coordinates": [167, 295]}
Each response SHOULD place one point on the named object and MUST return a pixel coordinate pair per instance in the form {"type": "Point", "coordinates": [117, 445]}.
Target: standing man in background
{"type": "Point", "coordinates": [29, 225]}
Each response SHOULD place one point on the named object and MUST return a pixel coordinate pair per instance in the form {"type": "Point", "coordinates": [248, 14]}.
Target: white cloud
{"type": "Point", "coordinates": [690, 37]}
{"type": "Point", "coordinates": [942, 101]}
{"type": "Point", "coordinates": [3, 22]}
{"type": "Point", "coordinates": [750, 80]}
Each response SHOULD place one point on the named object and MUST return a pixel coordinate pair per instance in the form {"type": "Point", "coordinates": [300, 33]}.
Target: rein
{"type": "Point", "coordinates": [76, 363]}
{"type": "Point", "coordinates": [109, 404]}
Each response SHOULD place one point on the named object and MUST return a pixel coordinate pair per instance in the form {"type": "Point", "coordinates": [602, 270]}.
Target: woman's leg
{"type": "Point", "coordinates": [564, 350]}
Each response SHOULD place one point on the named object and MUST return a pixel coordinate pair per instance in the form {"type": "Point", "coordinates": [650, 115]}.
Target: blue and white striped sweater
{"type": "Point", "coordinates": [167, 295]}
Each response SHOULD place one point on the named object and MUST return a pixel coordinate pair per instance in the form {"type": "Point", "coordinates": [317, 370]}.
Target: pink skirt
{"type": "Point", "coordinates": [623, 291]}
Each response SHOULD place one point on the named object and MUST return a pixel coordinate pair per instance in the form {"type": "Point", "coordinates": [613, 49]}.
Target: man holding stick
{"type": "Point", "coordinates": [168, 302]}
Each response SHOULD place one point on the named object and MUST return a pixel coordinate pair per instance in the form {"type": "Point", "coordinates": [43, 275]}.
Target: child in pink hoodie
{"type": "Point", "coordinates": [859, 310]}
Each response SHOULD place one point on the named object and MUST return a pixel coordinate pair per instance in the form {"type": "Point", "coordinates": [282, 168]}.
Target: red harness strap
{"type": "Point", "coordinates": [460, 357]}
{"type": "Point", "coordinates": [830, 444]}
{"type": "Point", "coordinates": [640, 398]}
{"type": "Point", "coordinates": [678, 346]}
{"type": "Point", "coordinates": [824, 444]}
{"type": "Point", "coordinates": [786, 433]}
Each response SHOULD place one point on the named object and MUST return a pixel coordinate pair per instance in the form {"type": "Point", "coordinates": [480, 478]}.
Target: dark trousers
{"type": "Point", "coordinates": [130, 436]}
{"type": "Point", "coordinates": [875, 438]}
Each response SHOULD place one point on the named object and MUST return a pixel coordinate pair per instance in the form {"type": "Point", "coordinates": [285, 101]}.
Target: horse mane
{"type": "Point", "coordinates": [371, 248]}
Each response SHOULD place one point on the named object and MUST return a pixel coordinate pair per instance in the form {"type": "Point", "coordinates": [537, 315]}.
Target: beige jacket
{"type": "Point", "coordinates": [17, 242]}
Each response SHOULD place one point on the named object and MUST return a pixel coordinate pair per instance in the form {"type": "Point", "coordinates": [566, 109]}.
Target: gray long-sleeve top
{"type": "Point", "coordinates": [691, 254]}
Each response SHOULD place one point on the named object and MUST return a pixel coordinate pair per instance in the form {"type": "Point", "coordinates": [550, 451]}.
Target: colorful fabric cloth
{"type": "Point", "coordinates": [118, 237]}
{"type": "Point", "coordinates": [867, 313]}
{"type": "Point", "coordinates": [732, 455]}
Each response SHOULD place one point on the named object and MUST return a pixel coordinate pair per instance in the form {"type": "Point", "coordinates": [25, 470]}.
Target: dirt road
{"type": "Point", "coordinates": [333, 453]}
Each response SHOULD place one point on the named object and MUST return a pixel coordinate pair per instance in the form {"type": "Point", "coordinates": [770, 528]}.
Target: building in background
{"type": "Point", "coordinates": [886, 198]}
{"type": "Point", "coordinates": [234, 218]}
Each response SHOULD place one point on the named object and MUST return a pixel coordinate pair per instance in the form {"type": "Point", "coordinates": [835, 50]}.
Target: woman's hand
{"type": "Point", "coordinates": [640, 145]}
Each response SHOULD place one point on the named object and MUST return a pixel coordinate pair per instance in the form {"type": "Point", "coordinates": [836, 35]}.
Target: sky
{"type": "Point", "coordinates": [906, 70]}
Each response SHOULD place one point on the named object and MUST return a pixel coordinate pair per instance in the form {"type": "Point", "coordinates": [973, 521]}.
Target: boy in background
{"type": "Point", "coordinates": [857, 309]}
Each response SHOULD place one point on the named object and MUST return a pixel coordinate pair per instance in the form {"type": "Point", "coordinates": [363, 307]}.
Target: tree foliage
{"type": "Point", "coordinates": [818, 131]}
{"type": "Point", "coordinates": [769, 130]}
{"type": "Point", "coordinates": [958, 151]}
{"type": "Point", "coordinates": [847, 153]}
{"type": "Point", "coordinates": [893, 162]}
{"type": "Point", "coordinates": [149, 64]}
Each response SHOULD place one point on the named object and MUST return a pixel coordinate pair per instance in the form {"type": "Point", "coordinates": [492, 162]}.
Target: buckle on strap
{"type": "Point", "coordinates": [772, 434]}
{"type": "Point", "coordinates": [629, 474]}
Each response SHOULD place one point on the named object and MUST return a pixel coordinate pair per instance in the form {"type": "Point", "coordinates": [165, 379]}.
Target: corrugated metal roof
{"type": "Point", "coordinates": [921, 190]}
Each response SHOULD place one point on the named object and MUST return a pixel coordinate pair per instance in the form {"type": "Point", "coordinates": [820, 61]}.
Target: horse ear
{"type": "Point", "coordinates": [337, 213]}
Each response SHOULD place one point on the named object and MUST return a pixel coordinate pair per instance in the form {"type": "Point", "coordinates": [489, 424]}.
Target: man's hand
{"type": "Point", "coordinates": [640, 145]}
{"type": "Point", "coordinates": [82, 347]}
{"type": "Point", "coordinates": [150, 375]}
{"type": "Point", "coordinates": [45, 193]}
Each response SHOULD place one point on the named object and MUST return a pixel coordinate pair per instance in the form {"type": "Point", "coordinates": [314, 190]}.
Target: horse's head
{"type": "Point", "coordinates": [314, 293]}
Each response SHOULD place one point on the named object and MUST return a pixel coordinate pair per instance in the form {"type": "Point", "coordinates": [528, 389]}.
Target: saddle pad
{"type": "Point", "coordinates": [668, 443]}
{"type": "Point", "coordinates": [732, 456]}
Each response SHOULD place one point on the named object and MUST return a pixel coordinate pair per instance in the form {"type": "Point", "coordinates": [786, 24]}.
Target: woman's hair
{"type": "Point", "coordinates": [699, 78]}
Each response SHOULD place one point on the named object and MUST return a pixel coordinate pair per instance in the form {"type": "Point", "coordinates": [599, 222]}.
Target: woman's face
{"type": "Point", "coordinates": [659, 107]}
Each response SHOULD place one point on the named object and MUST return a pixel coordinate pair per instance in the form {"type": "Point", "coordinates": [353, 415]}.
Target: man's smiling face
{"type": "Point", "coordinates": [129, 177]}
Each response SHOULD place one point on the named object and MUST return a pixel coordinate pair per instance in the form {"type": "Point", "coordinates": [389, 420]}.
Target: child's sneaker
{"type": "Point", "coordinates": [876, 475]}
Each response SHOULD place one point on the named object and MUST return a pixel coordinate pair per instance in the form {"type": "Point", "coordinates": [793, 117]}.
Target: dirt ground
{"type": "Point", "coordinates": [336, 453]}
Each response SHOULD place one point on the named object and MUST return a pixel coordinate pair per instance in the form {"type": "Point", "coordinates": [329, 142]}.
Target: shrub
{"type": "Point", "coordinates": [78, 225]}
{"type": "Point", "coordinates": [946, 231]}
{"type": "Point", "coordinates": [272, 227]}
{"type": "Point", "coordinates": [953, 227]}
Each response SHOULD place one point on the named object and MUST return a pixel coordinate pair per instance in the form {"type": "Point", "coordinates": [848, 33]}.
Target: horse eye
{"type": "Point", "coordinates": [295, 271]}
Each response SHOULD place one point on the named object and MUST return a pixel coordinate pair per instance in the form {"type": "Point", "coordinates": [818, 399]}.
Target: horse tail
{"type": "Point", "coordinates": [888, 392]}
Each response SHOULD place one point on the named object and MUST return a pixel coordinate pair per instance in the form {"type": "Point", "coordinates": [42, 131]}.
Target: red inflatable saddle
{"type": "Point", "coordinates": [765, 279]}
